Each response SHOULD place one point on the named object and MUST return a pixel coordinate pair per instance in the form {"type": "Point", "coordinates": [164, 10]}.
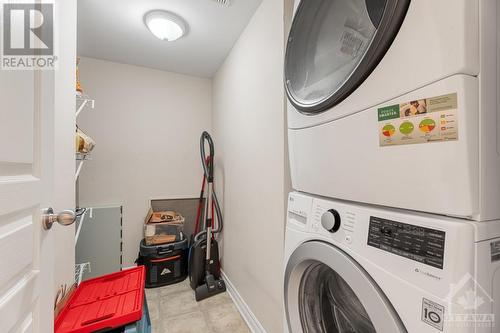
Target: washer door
{"type": "Point", "coordinates": [334, 45]}
{"type": "Point", "coordinates": [326, 291]}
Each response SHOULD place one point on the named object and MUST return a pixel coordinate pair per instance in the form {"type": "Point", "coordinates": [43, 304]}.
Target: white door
{"type": "Point", "coordinates": [30, 133]}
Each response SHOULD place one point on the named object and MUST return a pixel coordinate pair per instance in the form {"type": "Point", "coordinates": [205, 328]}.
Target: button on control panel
{"type": "Point", "coordinates": [330, 220]}
{"type": "Point", "coordinates": [348, 239]}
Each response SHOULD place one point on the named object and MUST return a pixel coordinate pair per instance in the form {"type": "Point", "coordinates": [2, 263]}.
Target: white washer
{"type": "Point", "coordinates": [394, 103]}
{"type": "Point", "coordinates": [388, 271]}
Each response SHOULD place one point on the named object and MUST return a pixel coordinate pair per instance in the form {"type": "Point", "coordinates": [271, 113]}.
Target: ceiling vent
{"type": "Point", "coordinates": [225, 3]}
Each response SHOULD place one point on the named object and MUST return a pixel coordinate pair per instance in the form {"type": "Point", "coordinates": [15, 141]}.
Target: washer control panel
{"type": "Point", "coordinates": [413, 242]}
{"type": "Point", "coordinates": [333, 221]}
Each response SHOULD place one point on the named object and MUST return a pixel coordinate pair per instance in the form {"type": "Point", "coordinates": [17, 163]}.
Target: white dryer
{"type": "Point", "coordinates": [352, 268]}
{"type": "Point", "coordinates": [394, 103]}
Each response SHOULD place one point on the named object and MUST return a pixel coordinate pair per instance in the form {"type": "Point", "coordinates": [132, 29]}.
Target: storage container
{"type": "Point", "coordinates": [104, 303]}
{"type": "Point", "coordinates": [162, 227]}
{"type": "Point", "coordinates": [165, 263]}
{"type": "Point", "coordinates": [143, 325]}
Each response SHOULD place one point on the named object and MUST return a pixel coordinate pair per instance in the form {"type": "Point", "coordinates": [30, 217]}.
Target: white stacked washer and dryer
{"type": "Point", "coordinates": [393, 114]}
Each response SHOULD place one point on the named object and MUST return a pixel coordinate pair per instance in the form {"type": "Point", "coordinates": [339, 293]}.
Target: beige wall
{"type": "Point", "coordinates": [249, 133]}
{"type": "Point", "coordinates": [147, 125]}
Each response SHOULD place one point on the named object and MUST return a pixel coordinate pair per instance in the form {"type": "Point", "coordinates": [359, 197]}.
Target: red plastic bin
{"type": "Point", "coordinates": [106, 302]}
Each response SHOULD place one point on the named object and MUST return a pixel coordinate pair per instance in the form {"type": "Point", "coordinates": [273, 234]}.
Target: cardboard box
{"type": "Point", "coordinates": [162, 227]}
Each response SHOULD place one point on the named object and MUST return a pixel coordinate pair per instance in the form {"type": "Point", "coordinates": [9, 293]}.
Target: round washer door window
{"type": "Point", "coordinates": [327, 291]}
{"type": "Point", "coordinates": [328, 304]}
{"type": "Point", "coordinates": [334, 45]}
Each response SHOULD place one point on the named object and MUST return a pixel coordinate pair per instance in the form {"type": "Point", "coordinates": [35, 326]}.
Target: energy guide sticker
{"type": "Point", "coordinates": [419, 121]}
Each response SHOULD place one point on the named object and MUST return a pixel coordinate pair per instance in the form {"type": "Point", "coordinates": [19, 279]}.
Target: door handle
{"type": "Point", "coordinates": [64, 218]}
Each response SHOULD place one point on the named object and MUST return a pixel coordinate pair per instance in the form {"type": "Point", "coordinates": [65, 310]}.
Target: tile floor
{"type": "Point", "coordinates": [173, 309]}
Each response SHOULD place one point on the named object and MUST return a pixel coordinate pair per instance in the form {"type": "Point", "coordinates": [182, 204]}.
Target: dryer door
{"type": "Point", "coordinates": [334, 45]}
{"type": "Point", "coordinates": [326, 291]}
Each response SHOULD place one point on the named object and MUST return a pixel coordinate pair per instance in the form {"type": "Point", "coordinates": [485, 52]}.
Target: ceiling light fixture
{"type": "Point", "coordinates": [165, 25]}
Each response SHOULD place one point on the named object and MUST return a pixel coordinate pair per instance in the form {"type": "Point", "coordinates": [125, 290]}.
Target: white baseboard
{"type": "Point", "coordinates": [247, 314]}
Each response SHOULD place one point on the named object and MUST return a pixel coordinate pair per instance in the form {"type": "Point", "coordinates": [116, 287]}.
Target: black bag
{"type": "Point", "coordinates": [165, 263]}
{"type": "Point", "coordinates": [197, 265]}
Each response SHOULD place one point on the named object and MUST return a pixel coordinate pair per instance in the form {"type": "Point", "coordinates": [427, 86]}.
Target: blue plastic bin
{"type": "Point", "coordinates": [143, 325]}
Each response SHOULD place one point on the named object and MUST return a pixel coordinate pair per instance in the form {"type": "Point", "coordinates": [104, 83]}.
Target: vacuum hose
{"type": "Point", "coordinates": [208, 169]}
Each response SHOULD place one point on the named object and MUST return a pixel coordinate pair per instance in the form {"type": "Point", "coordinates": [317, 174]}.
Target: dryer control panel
{"type": "Point", "coordinates": [413, 242]}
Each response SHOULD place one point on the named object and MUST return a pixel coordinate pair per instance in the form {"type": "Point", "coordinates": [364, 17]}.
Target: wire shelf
{"type": "Point", "coordinates": [80, 221]}
{"type": "Point", "coordinates": [81, 158]}
{"type": "Point", "coordinates": [80, 269]}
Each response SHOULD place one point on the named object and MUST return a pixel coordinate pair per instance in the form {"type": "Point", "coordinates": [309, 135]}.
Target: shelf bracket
{"type": "Point", "coordinates": [85, 101]}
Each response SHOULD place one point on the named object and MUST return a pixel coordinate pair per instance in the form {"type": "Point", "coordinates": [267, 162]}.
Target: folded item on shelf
{"type": "Point", "coordinates": [160, 239]}
{"type": "Point", "coordinates": [84, 143]}
{"type": "Point", "coordinates": [163, 227]}
{"type": "Point", "coordinates": [165, 216]}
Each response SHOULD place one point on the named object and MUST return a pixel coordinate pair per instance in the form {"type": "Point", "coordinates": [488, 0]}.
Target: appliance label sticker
{"type": "Point", "coordinates": [433, 314]}
{"type": "Point", "coordinates": [420, 121]}
{"type": "Point", "coordinates": [495, 251]}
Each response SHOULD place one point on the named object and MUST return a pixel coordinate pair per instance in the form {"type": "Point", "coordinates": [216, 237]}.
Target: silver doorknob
{"type": "Point", "coordinates": [65, 218]}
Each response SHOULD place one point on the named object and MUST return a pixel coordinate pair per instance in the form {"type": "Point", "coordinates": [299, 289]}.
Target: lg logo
{"type": "Point", "coordinates": [28, 29]}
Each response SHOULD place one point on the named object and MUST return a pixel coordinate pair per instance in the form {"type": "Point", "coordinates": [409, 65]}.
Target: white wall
{"type": "Point", "coordinates": [147, 125]}
{"type": "Point", "coordinates": [249, 133]}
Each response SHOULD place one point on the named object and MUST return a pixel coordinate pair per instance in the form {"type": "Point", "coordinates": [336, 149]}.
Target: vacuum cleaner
{"type": "Point", "coordinates": [204, 265]}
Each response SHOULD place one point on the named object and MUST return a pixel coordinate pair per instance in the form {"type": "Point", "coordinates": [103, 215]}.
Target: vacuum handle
{"type": "Point", "coordinates": [208, 254]}
{"type": "Point", "coordinates": [208, 222]}
{"type": "Point", "coordinates": [208, 166]}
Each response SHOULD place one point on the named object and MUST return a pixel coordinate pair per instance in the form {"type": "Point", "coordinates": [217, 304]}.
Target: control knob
{"type": "Point", "coordinates": [330, 220]}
